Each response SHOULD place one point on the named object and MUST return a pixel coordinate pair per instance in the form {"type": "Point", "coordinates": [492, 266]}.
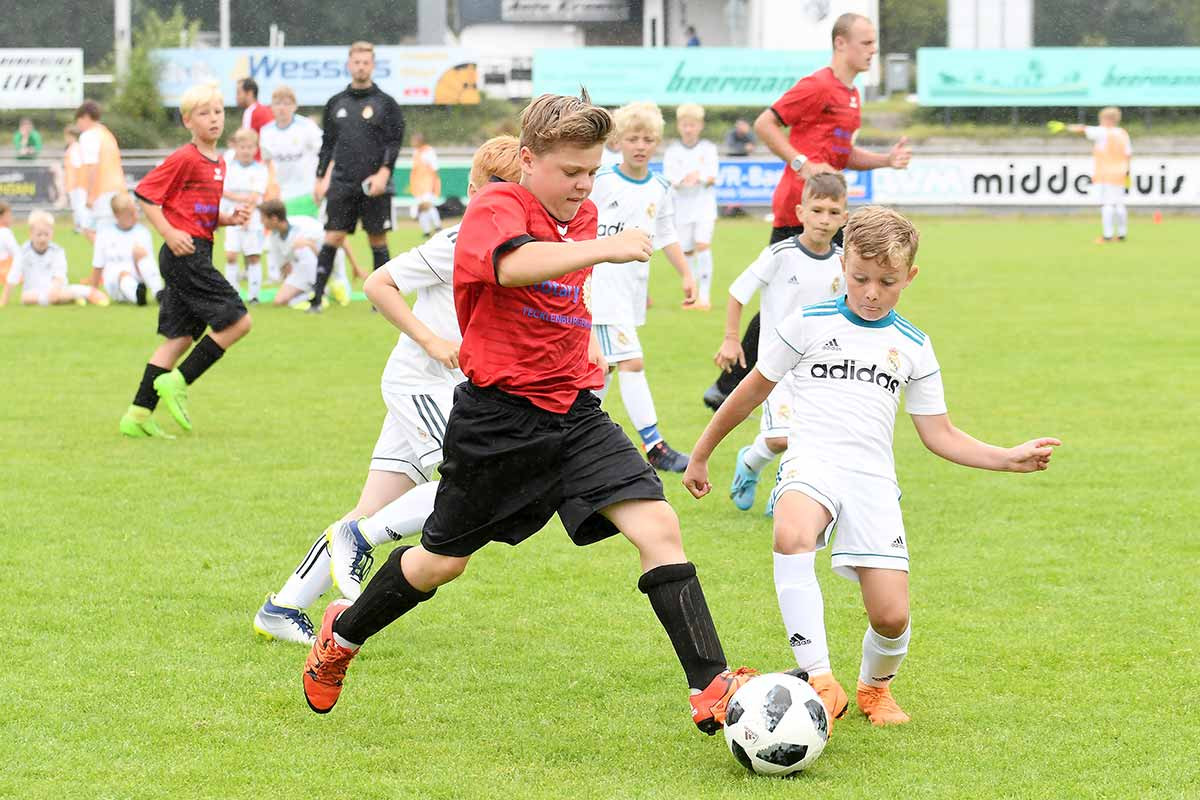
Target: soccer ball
{"type": "Point", "coordinates": [776, 724]}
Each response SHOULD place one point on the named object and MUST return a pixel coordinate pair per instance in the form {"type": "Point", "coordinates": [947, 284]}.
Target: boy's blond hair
{"type": "Point", "coordinates": [282, 93]}
{"type": "Point", "coordinates": [690, 111]}
{"type": "Point", "coordinates": [498, 157]}
{"type": "Point", "coordinates": [882, 234]}
{"type": "Point", "coordinates": [40, 217]}
{"type": "Point", "coordinates": [121, 201]}
{"type": "Point", "coordinates": [198, 95]}
{"type": "Point", "coordinates": [362, 47]}
{"type": "Point", "coordinates": [638, 116]}
{"type": "Point", "coordinates": [1111, 111]}
{"type": "Point", "coordinates": [246, 135]}
{"type": "Point", "coordinates": [824, 185]}
{"type": "Point", "coordinates": [555, 119]}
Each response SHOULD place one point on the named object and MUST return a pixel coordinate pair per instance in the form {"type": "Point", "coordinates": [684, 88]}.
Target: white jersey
{"type": "Point", "coordinates": [790, 276]}
{"type": "Point", "coordinates": [428, 271]}
{"type": "Point", "coordinates": [294, 151]}
{"type": "Point", "coordinates": [244, 179]}
{"type": "Point", "coordinates": [610, 158]}
{"type": "Point", "coordinates": [37, 270]}
{"type": "Point", "coordinates": [113, 251]}
{"type": "Point", "coordinates": [693, 203]}
{"type": "Point", "coordinates": [282, 249]}
{"type": "Point", "coordinates": [619, 290]}
{"type": "Point", "coordinates": [846, 375]}
{"type": "Point", "coordinates": [8, 244]}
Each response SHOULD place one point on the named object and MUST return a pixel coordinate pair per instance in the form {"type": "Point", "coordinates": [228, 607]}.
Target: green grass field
{"type": "Point", "coordinates": [1054, 615]}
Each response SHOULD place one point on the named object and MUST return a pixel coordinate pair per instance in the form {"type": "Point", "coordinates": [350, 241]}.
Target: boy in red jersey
{"type": "Point", "coordinates": [526, 437]}
{"type": "Point", "coordinates": [181, 197]}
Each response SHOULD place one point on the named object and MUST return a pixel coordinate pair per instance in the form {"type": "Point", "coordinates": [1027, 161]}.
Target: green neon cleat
{"type": "Point", "coordinates": [138, 424]}
{"type": "Point", "coordinates": [172, 390]}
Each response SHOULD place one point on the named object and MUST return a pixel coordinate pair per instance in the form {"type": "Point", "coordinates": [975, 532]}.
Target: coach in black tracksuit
{"type": "Point", "coordinates": [364, 130]}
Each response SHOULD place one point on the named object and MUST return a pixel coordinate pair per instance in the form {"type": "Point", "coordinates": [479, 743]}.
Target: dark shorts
{"type": "Point", "coordinates": [346, 205]}
{"type": "Point", "coordinates": [196, 296]}
{"type": "Point", "coordinates": [509, 466]}
{"type": "Point", "coordinates": [788, 231]}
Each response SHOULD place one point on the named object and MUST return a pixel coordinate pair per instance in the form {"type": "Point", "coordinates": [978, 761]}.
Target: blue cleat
{"type": "Point", "coordinates": [745, 482]}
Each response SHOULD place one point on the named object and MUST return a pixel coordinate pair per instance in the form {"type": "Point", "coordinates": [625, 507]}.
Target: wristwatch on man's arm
{"type": "Point", "coordinates": [798, 162]}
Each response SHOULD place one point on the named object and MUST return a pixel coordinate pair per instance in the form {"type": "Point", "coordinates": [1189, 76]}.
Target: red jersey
{"type": "Point", "coordinates": [530, 341]}
{"type": "Point", "coordinates": [254, 117]}
{"type": "Point", "coordinates": [188, 185]}
{"type": "Point", "coordinates": [824, 115]}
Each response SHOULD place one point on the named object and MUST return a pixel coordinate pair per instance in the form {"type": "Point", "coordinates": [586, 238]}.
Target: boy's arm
{"type": "Point", "coordinates": [181, 243]}
{"type": "Point", "coordinates": [943, 438]}
{"type": "Point", "coordinates": [731, 352]}
{"type": "Point", "coordinates": [749, 395]}
{"type": "Point", "coordinates": [382, 291]}
{"type": "Point", "coordinates": [896, 158]}
{"type": "Point", "coordinates": [240, 216]}
{"type": "Point", "coordinates": [675, 256]}
{"type": "Point", "coordinates": [534, 262]}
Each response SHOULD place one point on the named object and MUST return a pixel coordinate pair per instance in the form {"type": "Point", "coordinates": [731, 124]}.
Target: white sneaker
{"type": "Point", "coordinates": [284, 623]}
{"type": "Point", "coordinates": [350, 558]}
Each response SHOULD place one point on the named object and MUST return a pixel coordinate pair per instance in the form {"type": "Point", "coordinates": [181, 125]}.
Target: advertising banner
{"type": "Point", "coordinates": [730, 76]}
{"type": "Point", "coordinates": [412, 75]}
{"type": "Point", "coordinates": [41, 78]}
{"type": "Point", "coordinates": [1059, 76]}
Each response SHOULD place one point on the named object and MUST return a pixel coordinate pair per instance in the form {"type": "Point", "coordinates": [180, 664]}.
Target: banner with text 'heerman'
{"type": "Point", "coordinates": [1059, 76]}
{"type": "Point", "coordinates": [41, 78]}
{"type": "Point", "coordinates": [729, 76]}
{"type": "Point", "coordinates": [412, 75]}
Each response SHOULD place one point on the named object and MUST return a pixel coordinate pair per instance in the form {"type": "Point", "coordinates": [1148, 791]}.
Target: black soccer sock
{"type": "Point", "coordinates": [325, 260]}
{"type": "Point", "coordinates": [730, 380]}
{"type": "Point", "coordinates": [203, 355]}
{"type": "Point", "coordinates": [387, 597]}
{"type": "Point", "coordinates": [146, 397]}
{"type": "Point", "coordinates": [678, 601]}
{"type": "Point", "coordinates": [380, 256]}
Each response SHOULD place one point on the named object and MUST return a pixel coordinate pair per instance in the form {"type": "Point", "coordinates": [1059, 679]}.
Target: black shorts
{"type": "Point", "coordinates": [788, 231]}
{"type": "Point", "coordinates": [509, 466]}
{"type": "Point", "coordinates": [196, 296]}
{"type": "Point", "coordinates": [346, 205]}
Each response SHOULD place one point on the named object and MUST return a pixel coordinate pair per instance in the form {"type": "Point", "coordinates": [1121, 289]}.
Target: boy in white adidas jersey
{"type": "Point", "coordinates": [289, 146]}
{"type": "Point", "coordinates": [804, 269]}
{"type": "Point", "coordinates": [629, 195]}
{"type": "Point", "coordinates": [245, 184]}
{"type": "Point", "coordinates": [839, 466]}
{"type": "Point", "coordinates": [417, 386]}
{"type": "Point", "coordinates": [691, 165]}
{"type": "Point", "coordinates": [40, 268]}
{"type": "Point", "coordinates": [292, 244]}
{"type": "Point", "coordinates": [123, 259]}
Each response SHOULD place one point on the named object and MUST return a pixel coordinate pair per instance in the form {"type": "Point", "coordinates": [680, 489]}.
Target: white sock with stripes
{"type": "Point", "coordinates": [704, 276]}
{"type": "Point", "coordinates": [402, 517]}
{"type": "Point", "coordinates": [310, 580]}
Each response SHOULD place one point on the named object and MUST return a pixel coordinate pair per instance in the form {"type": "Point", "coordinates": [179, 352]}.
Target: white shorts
{"type": "Point", "coordinates": [618, 342]}
{"type": "Point", "coordinates": [1108, 193]}
{"type": "Point", "coordinates": [865, 511]}
{"type": "Point", "coordinates": [429, 198]}
{"type": "Point", "coordinates": [303, 275]}
{"type": "Point", "coordinates": [692, 232]}
{"type": "Point", "coordinates": [246, 241]}
{"type": "Point", "coordinates": [411, 438]}
{"type": "Point", "coordinates": [112, 284]}
{"type": "Point", "coordinates": [101, 213]}
{"type": "Point", "coordinates": [777, 410]}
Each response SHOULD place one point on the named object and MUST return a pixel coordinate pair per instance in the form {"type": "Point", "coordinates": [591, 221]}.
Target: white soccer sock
{"type": "Point", "coordinates": [148, 270]}
{"type": "Point", "coordinates": [603, 391]}
{"type": "Point", "coordinates": [310, 580]}
{"type": "Point", "coordinates": [402, 517]}
{"type": "Point", "coordinates": [128, 287]}
{"type": "Point", "coordinates": [424, 221]}
{"type": "Point", "coordinates": [1107, 212]}
{"type": "Point", "coordinates": [704, 276]}
{"type": "Point", "coordinates": [435, 217]}
{"type": "Point", "coordinates": [639, 404]}
{"type": "Point", "coordinates": [1122, 219]}
{"type": "Point", "coordinates": [77, 291]}
{"type": "Point", "coordinates": [254, 279]}
{"type": "Point", "coordinates": [759, 455]}
{"type": "Point", "coordinates": [882, 656]}
{"type": "Point", "coordinates": [803, 610]}
{"type": "Point", "coordinates": [231, 274]}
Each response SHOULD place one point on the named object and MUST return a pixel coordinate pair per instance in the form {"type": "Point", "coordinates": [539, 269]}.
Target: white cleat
{"type": "Point", "coordinates": [284, 623]}
{"type": "Point", "coordinates": [350, 558]}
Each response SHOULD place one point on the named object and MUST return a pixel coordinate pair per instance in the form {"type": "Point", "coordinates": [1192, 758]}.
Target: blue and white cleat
{"type": "Point", "coordinates": [350, 558]}
{"type": "Point", "coordinates": [745, 482]}
{"type": "Point", "coordinates": [284, 623]}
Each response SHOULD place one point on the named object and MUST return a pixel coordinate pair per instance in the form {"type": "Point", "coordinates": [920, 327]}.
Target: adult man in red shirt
{"type": "Point", "coordinates": [255, 115]}
{"type": "Point", "coordinates": [823, 112]}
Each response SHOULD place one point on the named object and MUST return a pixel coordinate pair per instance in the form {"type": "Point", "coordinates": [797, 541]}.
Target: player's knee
{"type": "Point", "coordinates": [632, 365]}
{"type": "Point", "coordinates": [658, 529]}
{"type": "Point", "coordinates": [441, 570]}
{"type": "Point", "coordinates": [889, 621]}
{"type": "Point", "coordinates": [702, 246]}
{"type": "Point", "coordinates": [777, 444]}
{"type": "Point", "coordinates": [792, 536]}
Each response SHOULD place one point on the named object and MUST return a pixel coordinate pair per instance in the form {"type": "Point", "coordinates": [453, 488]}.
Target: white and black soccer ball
{"type": "Point", "coordinates": [776, 724]}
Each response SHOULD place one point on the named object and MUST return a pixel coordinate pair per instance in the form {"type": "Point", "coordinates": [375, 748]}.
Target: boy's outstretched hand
{"type": "Point", "coordinates": [630, 244]}
{"type": "Point", "coordinates": [1032, 456]}
{"type": "Point", "coordinates": [695, 478]}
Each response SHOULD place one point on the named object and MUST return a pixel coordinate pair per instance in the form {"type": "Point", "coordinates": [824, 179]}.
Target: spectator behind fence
{"type": "Point", "coordinates": [740, 140]}
{"type": "Point", "coordinates": [692, 39]}
{"type": "Point", "coordinates": [27, 141]}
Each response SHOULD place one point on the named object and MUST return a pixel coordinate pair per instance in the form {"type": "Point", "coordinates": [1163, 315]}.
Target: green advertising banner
{"type": "Point", "coordinates": [1059, 76]}
{"type": "Point", "coordinates": [729, 76]}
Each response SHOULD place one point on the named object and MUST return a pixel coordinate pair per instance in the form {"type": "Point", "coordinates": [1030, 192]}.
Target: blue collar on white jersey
{"type": "Point", "coordinates": [617, 169]}
{"type": "Point", "coordinates": [882, 322]}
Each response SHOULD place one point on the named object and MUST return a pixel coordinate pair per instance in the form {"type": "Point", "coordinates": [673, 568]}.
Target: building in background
{"type": "Point", "coordinates": [991, 25]}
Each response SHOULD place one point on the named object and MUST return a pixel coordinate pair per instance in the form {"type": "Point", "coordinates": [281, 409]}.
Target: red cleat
{"type": "Point", "coordinates": [708, 707]}
{"type": "Point", "coordinates": [325, 667]}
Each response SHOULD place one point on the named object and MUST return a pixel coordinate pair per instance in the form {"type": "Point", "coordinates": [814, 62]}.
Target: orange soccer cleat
{"type": "Point", "coordinates": [832, 695]}
{"type": "Point", "coordinates": [708, 707]}
{"type": "Point", "coordinates": [325, 667]}
{"type": "Point", "coordinates": [879, 705]}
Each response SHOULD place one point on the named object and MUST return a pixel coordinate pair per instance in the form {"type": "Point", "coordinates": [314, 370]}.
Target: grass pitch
{"type": "Point", "coordinates": [1054, 615]}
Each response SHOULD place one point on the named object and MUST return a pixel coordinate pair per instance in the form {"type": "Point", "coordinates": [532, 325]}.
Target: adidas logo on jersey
{"type": "Point", "coordinates": [831, 345]}
{"type": "Point", "coordinates": [898, 541]}
{"type": "Point", "coordinates": [793, 281]}
{"type": "Point", "coordinates": [799, 640]}
{"type": "Point", "coordinates": [849, 371]}
{"type": "Point", "coordinates": [609, 230]}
